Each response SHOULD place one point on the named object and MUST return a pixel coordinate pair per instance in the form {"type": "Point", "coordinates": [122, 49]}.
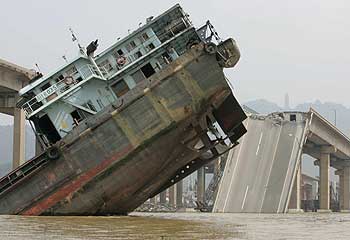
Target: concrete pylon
{"type": "Point", "coordinates": [344, 186]}
{"type": "Point", "coordinates": [162, 197]}
{"type": "Point", "coordinates": [339, 172]}
{"type": "Point", "coordinates": [324, 182]}
{"type": "Point", "coordinates": [179, 189]}
{"type": "Point", "coordinates": [172, 196]}
{"type": "Point", "coordinates": [18, 138]}
{"type": "Point", "coordinates": [200, 184]}
{"type": "Point", "coordinates": [12, 79]}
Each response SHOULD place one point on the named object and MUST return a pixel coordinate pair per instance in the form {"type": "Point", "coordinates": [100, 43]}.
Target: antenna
{"type": "Point", "coordinates": [37, 66]}
{"type": "Point", "coordinates": [65, 58]}
{"type": "Point", "coordinates": [74, 38]}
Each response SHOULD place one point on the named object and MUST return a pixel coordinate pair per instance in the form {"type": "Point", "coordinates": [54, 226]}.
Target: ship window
{"type": "Point", "coordinates": [77, 115]}
{"type": "Point", "coordinates": [138, 76]}
{"type": "Point", "coordinates": [72, 71]}
{"type": "Point", "coordinates": [145, 36]}
{"type": "Point", "coordinates": [106, 65]}
{"type": "Point", "coordinates": [46, 86]}
{"type": "Point", "coordinates": [148, 70]}
{"type": "Point", "coordinates": [131, 46]}
{"type": "Point", "coordinates": [48, 129]}
{"type": "Point", "coordinates": [120, 52]}
{"type": "Point", "coordinates": [59, 78]}
{"type": "Point", "coordinates": [138, 54]}
{"type": "Point", "coordinates": [293, 117]}
{"type": "Point", "coordinates": [120, 88]}
{"type": "Point", "coordinates": [166, 57]}
{"type": "Point", "coordinates": [176, 26]}
{"type": "Point", "coordinates": [150, 46]}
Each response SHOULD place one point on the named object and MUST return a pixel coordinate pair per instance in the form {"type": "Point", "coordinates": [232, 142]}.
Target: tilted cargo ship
{"type": "Point", "coordinates": [119, 127]}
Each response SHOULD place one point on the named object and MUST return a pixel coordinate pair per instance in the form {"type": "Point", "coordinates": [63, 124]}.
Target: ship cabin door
{"type": "Point", "coordinates": [48, 129]}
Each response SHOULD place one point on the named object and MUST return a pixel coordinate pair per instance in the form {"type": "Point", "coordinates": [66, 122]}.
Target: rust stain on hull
{"type": "Point", "coordinates": [63, 192]}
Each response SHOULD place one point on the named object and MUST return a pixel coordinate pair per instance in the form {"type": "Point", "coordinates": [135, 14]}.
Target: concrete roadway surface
{"type": "Point", "coordinates": [259, 172]}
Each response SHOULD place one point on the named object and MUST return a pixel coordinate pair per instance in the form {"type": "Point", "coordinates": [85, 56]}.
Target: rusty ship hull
{"type": "Point", "coordinates": [136, 147]}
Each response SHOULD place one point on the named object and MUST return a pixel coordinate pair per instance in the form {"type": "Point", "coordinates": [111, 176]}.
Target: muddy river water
{"type": "Point", "coordinates": [179, 226]}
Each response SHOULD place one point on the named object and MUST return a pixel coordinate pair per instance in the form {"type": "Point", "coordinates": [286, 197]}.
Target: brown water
{"type": "Point", "coordinates": [179, 226]}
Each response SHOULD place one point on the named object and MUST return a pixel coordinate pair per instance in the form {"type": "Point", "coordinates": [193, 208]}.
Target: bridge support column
{"type": "Point", "coordinates": [324, 182]}
{"type": "Point", "coordinates": [172, 196]}
{"type": "Point", "coordinates": [295, 199]}
{"type": "Point", "coordinates": [162, 197]}
{"type": "Point", "coordinates": [344, 186]}
{"type": "Point", "coordinates": [179, 202]}
{"type": "Point", "coordinates": [339, 172]}
{"type": "Point", "coordinates": [18, 138]}
{"type": "Point", "coordinates": [200, 184]}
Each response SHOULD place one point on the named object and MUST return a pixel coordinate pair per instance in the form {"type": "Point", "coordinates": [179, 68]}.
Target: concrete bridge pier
{"type": "Point", "coordinates": [7, 106]}
{"type": "Point", "coordinates": [344, 188]}
{"type": "Point", "coordinates": [18, 137]}
{"type": "Point", "coordinates": [200, 184]}
{"type": "Point", "coordinates": [325, 158]}
{"type": "Point", "coordinates": [162, 197]}
{"type": "Point", "coordinates": [172, 196]}
{"type": "Point", "coordinates": [179, 192]}
{"type": "Point", "coordinates": [295, 199]}
{"type": "Point", "coordinates": [12, 79]}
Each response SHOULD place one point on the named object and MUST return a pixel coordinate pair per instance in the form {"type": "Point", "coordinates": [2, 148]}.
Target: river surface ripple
{"type": "Point", "coordinates": [179, 226]}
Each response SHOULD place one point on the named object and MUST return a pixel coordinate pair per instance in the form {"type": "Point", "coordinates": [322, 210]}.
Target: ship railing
{"type": "Point", "coordinates": [21, 172]}
{"type": "Point", "coordinates": [59, 89]}
{"type": "Point", "coordinates": [175, 27]}
{"type": "Point", "coordinates": [105, 72]}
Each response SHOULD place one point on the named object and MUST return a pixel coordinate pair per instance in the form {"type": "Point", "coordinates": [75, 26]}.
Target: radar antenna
{"type": "Point", "coordinates": [74, 38]}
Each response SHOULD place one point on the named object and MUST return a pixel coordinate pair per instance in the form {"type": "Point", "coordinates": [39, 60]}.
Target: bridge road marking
{"type": "Point", "coordinates": [245, 196]}
{"type": "Point", "coordinates": [273, 158]}
{"type": "Point", "coordinates": [257, 149]}
{"type": "Point", "coordinates": [234, 170]}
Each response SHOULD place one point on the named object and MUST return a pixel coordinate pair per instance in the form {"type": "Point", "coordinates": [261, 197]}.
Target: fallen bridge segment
{"type": "Point", "coordinates": [260, 173]}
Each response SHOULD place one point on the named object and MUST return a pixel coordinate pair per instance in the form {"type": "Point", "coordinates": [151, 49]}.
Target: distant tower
{"type": "Point", "coordinates": [286, 102]}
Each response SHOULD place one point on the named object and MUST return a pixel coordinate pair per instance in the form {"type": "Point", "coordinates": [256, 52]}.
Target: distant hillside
{"type": "Point", "coordinates": [6, 142]}
{"type": "Point", "coordinates": [331, 111]}
{"type": "Point", "coordinates": [263, 106]}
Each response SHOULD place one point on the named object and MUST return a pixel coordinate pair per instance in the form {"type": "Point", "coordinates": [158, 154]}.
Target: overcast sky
{"type": "Point", "coordinates": [300, 47]}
